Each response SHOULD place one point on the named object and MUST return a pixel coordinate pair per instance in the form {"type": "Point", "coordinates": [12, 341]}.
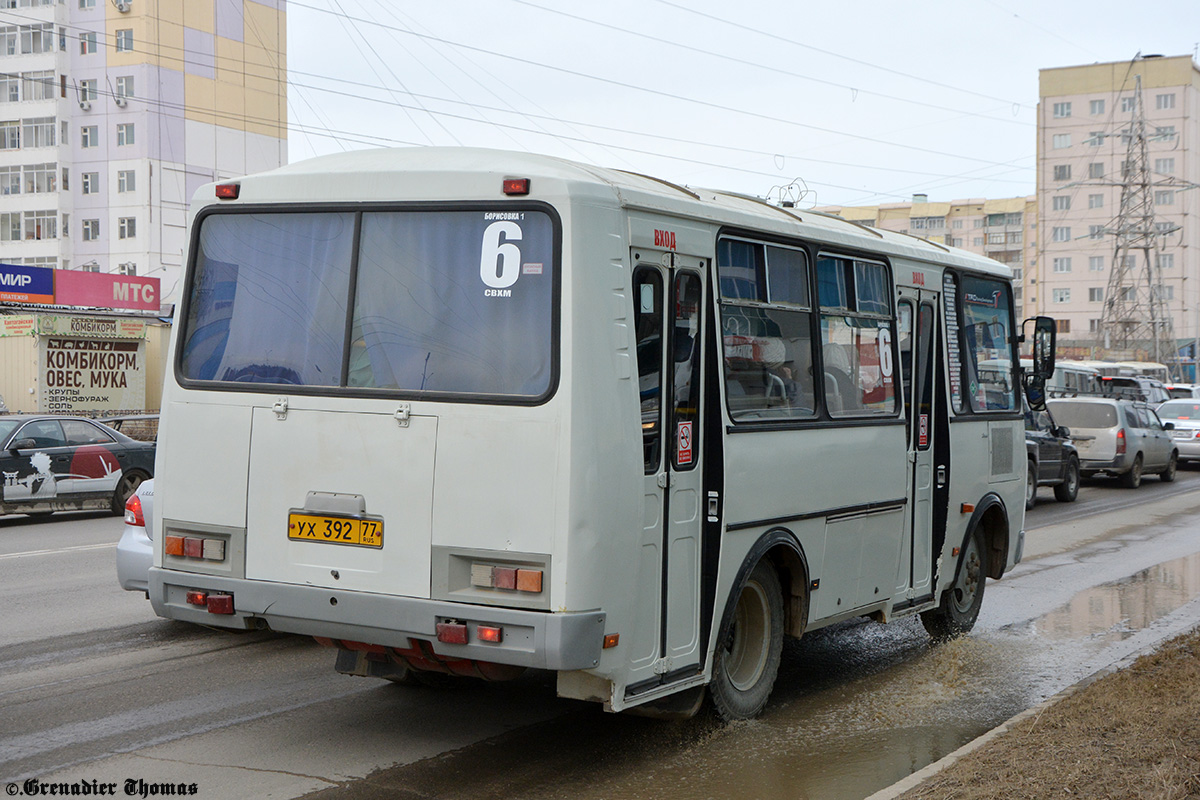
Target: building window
{"type": "Point", "coordinates": [1164, 197]}
{"type": "Point", "coordinates": [10, 227]}
{"type": "Point", "coordinates": [1095, 201]}
{"type": "Point", "coordinates": [91, 267]}
{"type": "Point", "coordinates": [66, 225]}
{"type": "Point", "coordinates": [1093, 325]}
{"type": "Point", "coordinates": [10, 88]}
{"type": "Point", "coordinates": [10, 180]}
{"type": "Point", "coordinates": [1165, 228]}
{"type": "Point", "coordinates": [1064, 325]}
{"type": "Point", "coordinates": [1095, 138]}
{"type": "Point", "coordinates": [1062, 264]}
{"type": "Point", "coordinates": [41, 224]}
{"type": "Point", "coordinates": [1095, 170]}
{"type": "Point", "coordinates": [1095, 231]}
{"type": "Point", "coordinates": [1062, 172]}
{"type": "Point", "coordinates": [88, 136]}
{"type": "Point", "coordinates": [1097, 107]}
{"type": "Point", "coordinates": [1060, 235]}
{"type": "Point", "coordinates": [38, 132]}
{"type": "Point", "coordinates": [957, 224]}
{"type": "Point", "coordinates": [1163, 292]}
{"type": "Point", "coordinates": [1164, 166]}
{"type": "Point", "coordinates": [1061, 296]}
{"type": "Point", "coordinates": [87, 3]}
{"type": "Point", "coordinates": [87, 90]}
{"type": "Point", "coordinates": [1062, 110]}
{"type": "Point", "coordinates": [1128, 104]}
{"type": "Point", "coordinates": [41, 178]}
{"type": "Point", "coordinates": [87, 43]}
{"type": "Point", "coordinates": [995, 238]}
{"type": "Point", "coordinates": [1095, 263]}
{"type": "Point", "coordinates": [1164, 260]}
{"type": "Point", "coordinates": [124, 134]}
{"type": "Point", "coordinates": [978, 240]}
{"type": "Point", "coordinates": [124, 86]}
{"type": "Point", "coordinates": [91, 230]}
{"type": "Point", "coordinates": [90, 183]}
{"type": "Point", "coordinates": [10, 135]}
{"type": "Point", "coordinates": [125, 40]}
{"type": "Point", "coordinates": [127, 268]}
{"type": "Point", "coordinates": [36, 38]}
{"type": "Point", "coordinates": [1061, 203]}
{"type": "Point", "coordinates": [1164, 101]}
{"type": "Point", "coordinates": [1165, 133]}
{"type": "Point", "coordinates": [126, 181]}
{"type": "Point", "coordinates": [126, 227]}
{"type": "Point", "coordinates": [1095, 294]}
{"type": "Point", "coordinates": [38, 85]}
{"type": "Point", "coordinates": [1061, 140]}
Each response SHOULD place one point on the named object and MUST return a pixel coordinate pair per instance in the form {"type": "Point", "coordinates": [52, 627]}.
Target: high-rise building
{"type": "Point", "coordinates": [1002, 229]}
{"type": "Point", "coordinates": [113, 112]}
{"type": "Point", "coordinates": [1085, 118]}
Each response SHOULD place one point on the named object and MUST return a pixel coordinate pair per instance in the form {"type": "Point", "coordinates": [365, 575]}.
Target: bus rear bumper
{"type": "Point", "coordinates": [536, 639]}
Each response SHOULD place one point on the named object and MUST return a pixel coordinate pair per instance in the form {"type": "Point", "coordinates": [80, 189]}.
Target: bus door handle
{"type": "Point", "coordinates": [941, 475]}
{"type": "Point", "coordinates": [664, 480]}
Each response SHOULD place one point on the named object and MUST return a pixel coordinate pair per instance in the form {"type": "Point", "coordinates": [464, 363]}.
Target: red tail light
{"type": "Point", "coordinates": [1121, 442]}
{"type": "Point", "coordinates": [133, 512]}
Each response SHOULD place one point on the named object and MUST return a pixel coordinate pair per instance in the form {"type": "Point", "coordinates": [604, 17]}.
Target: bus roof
{"type": "Point", "coordinates": [462, 173]}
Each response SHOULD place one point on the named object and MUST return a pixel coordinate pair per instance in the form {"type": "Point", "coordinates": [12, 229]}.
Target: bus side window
{"type": "Point", "coordinates": [647, 323]}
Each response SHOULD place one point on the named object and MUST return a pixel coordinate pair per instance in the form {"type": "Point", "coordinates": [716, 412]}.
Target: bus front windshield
{"type": "Point", "coordinates": [431, 302]}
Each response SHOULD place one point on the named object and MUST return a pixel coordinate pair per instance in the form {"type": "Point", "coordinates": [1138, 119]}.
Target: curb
{"type": "Point", "coordinates": [922, 775]}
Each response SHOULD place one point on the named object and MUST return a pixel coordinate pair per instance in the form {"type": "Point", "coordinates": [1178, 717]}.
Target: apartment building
{"type": "Point", "coordinates": [1003, 229]}
{"type": "Point", "coordinates": [113, 112]}
{"type": "Point", "coordinates": [1084, 118]}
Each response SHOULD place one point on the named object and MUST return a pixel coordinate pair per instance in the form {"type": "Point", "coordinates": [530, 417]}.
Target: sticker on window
{"type": "Point", "coordinates": [683, 444]}
{"type": "Point", "coordinates": [923, 431]}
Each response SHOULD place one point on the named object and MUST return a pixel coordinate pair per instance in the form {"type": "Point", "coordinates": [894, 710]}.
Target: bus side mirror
{"type": "Point", "coordinates": [1044, 335]}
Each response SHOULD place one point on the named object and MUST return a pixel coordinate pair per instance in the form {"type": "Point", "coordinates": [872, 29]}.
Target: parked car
{"type": "Point", "coordinates": [1053, 459]}
{"type": "Point", "coordinates": [53, 463]}
{"type": "Point", "coordinates": [1118, 437]}
{"type": "Point", "coordinates": [135, 550]}
{"type": "Point", "coordinates": [1185, 416]}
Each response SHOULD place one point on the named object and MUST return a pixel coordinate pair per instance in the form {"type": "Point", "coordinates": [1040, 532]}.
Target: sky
{"type": "Point", "coordinates": [843, 103]}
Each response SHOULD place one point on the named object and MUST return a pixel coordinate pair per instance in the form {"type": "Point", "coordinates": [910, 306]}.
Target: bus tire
{"type": "Point", "coordinates": [748, 656]}
{"type": "Point", "coordinates": [956, 614]}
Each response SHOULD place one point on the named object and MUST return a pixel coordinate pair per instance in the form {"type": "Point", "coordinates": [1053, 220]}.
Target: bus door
{"type": "Point", "coordinates": [918, 360]}
{"type": "Point", "coordinates": [668, 301]}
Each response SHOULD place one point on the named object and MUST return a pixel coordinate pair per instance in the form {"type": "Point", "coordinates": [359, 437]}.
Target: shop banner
{"type": "Point", "coordinates": [106, 327]}
{"type": "Point", "coordinates": [102, 290]}
{"type": "Point", "coordinates": [91, 375]}
{"type": "Point", "coordinates": [19, 284]}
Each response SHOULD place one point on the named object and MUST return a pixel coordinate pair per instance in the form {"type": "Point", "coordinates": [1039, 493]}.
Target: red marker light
{"type": "Point", "coordinates": [197, 598]}
{"type": "Point", "coordinates": [452, 632]}
{"type": "Point", "coordinates": [490, 633]}
{"type": "Point", "coordinates": [220, 604]}
{"type": "Point", "coordinates": [518, 186]}
{"type": "Point", "coordinates": [228, 191]}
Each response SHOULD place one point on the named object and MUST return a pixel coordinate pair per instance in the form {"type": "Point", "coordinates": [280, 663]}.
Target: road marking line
{"type": "Point", "coordinates": [62, 550]}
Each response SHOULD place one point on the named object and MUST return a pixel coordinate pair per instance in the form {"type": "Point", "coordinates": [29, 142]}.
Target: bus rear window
{"type": "Point", "coordinates": [438, 302]}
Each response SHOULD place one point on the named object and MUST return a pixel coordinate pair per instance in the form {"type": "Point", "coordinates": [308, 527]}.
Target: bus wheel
{"type": "Point", "coordinates": [747, 660]}
{"type": "Point", "coordinates": [960, 604]}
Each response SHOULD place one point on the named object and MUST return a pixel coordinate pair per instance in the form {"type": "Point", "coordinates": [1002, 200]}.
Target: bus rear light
{"type": "Point", "coordinates": [197, 598]}
{"type": "Point", "coordinates": [452, 632]}
{"type": "Point", "coordinates": [173, 545]}
{"type": "Point", "coordinates": [220, 604]}
{"type": "Point", "coordinates": [611, 640]}
{"type": "Point", "coordinates": [200, 547]}
{"type": "Point", "coordinates": [1121, 442]}
{"type": "Point", "coordinates": [228, 191]}
{"type": "Point", "coordinates": [489, 633]}
{"type": "Point", "coordinates": [193, 547]}
{"type": "Point", "coordinates": [213, 550]}
{"type": "Point", "coordinates": [516, 186]}
{"type": "Point", "coordinates": [529, 580]}
{"type": "Point", "coordinates": [508, 578]}
{"type": "Point", "coordinates": [133, 512]}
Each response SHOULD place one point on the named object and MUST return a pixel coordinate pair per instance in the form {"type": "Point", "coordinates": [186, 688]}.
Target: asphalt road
{"type": "Point", "coordinates": [94, 687]}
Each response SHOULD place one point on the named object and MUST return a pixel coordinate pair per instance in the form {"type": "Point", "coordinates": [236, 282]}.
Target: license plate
{"type": "Point", "coordinates": [335, 530]}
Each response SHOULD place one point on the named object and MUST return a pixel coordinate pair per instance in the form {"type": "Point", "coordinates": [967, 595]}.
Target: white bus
{"type": "Point", "coordinates": [466, 411]}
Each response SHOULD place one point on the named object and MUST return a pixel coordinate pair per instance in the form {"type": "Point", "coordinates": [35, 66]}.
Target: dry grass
{"type": "Point", "coordinates": [1132, 734]}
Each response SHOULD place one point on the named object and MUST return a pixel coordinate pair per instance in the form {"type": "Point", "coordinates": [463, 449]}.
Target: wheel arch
{"type": "Point", "coordinates": [991, 517]}
{"type": "Point", "coordinates": [780, 548]}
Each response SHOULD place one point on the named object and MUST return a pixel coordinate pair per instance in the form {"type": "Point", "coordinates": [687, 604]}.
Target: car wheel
{"type": "Point", "coordinates": [748, 659]}
{"type": "Point", "coordinates": [1030, 485]}
{"type": "Point", "coordinates": [1168, 474]}
{"type": "Point", "coordinates": [126, 486]}
{"type": "Point", "coordinates": [960, 605]}
{"type": "Point", "coordinates": [1133, 478]}
{"type": "Point", "coordinates": [1068, 490]}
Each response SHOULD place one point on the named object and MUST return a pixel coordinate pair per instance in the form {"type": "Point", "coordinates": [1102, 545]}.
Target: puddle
{"type": "Point", "coordinates": [1115, 611]}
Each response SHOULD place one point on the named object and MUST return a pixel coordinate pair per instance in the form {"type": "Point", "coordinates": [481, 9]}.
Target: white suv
{"type": "Point", "coordinates": [1118, 437]}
